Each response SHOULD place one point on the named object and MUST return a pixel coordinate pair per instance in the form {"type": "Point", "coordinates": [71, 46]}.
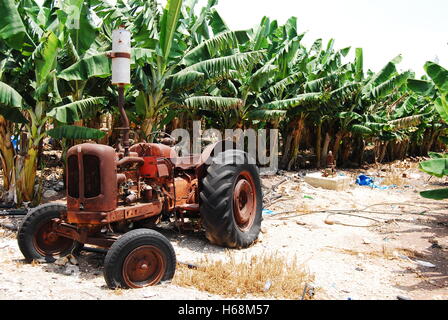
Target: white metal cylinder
{"type": "Point", "coordinates": [121, 66]}
{"type": "Point", "coordinates": [121, 71]}
{"type": "Point", "coordinates": [121, 41]}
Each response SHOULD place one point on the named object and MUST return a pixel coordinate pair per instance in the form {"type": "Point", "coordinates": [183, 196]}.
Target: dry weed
{"type": "Point", "coordinates": [118, 292]}
{"type": "Point", "coordinates": [385, 253]}
{"type": "Point", "coordinates": [268, 275]}
{"type": "Point", "coordinates": [394, 177]}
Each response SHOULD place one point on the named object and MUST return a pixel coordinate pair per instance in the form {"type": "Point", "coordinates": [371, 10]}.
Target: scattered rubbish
{"type": "Point", "coordinates": [364, 180]}
{"type": "Point", "coordinates": [367, 181]}
{"type": "Point", "coordinates": [308, 197]}
{"type": "Point", "coordinates": [308, 290]}
{"type": "Point", "coordinates": [365, 241]}
{"type": "Point", "coordinates": [13, 212]}
{"type": "Point", "coordinates": [70, 259]}
{"type": "Point", "coordinates": [189, 265]}
{"type": "Point", "coordinates": [267, 286]}
{"type": "Point", "coordinates": [425, 264]}
{"type": "Point", "coordinates": [268, 212]}
{"type": "Point", "coordinates": [61, 261]}
{"type": "Point", "coordinates": [403, 298]}
{"type": "Point", "coordinates": [71, 270]}
{"type": "Point", "coordinates": [359, 269]}
{"type": "Point", "coordinates": [9, 226]}
{"type": "Point", "coordinates": [436, 246]}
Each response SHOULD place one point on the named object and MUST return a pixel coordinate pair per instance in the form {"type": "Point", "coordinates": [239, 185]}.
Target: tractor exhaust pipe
{"type": "Point", "coordinates": [121, 76]}
{"type": "Point", "coordinates": [124, 121]}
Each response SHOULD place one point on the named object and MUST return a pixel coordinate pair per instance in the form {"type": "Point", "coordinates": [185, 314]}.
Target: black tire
{"type": "Point", "coordinates": [217, 200]}
{"type": "Point", "coordinates": [31, 244]}
{"type": "Point", "coordinates": [121, 252]}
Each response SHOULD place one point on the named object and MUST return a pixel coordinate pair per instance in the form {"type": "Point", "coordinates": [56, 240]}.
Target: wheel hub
{"type": "Point", "coordinates": [144, 266]}
{"type": "Point", "coordinates": [48, 243]}
{"type": "Point", "coordinates": [244, 201]}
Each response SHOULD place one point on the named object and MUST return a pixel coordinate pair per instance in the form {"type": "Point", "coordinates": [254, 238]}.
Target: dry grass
{"type": "Point", "coordinates": [270, 276]}
{"type": "Point", "coordinates": [385, 253]}
{"type": "Point", "coordinates": [394, 177]}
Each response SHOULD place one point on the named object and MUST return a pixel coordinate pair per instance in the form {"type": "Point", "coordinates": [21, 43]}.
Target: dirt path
{"type": "Point", "coordinates": [373, 259]}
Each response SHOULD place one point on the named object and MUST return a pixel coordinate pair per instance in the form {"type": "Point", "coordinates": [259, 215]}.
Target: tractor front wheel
{"type": "Point", "coordinates": [231, 200]}
{"type": "Point", "coordinates": [139, 258]}
{"type": "Point", "coordinates": [36, 237]}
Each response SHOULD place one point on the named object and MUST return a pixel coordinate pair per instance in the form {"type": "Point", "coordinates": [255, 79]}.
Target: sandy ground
{"type": "Point", "coordinates": [350, 257]}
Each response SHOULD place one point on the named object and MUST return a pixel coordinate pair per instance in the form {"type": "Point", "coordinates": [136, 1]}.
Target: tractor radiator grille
{"type": "Point", "coordinates": [73, 177]}
{"type": "Point", "coordinates": [92, 177]}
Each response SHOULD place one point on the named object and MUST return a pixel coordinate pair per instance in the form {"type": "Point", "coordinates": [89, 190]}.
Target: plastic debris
{"type": "Point", "coordinates": [425, 264]}
{"type": "Point", "coordinates": [267, 286]}
{"type": "Point", "coordinates": [367, 181]}
{"type": "Point", "coordinates": [71, 270]}
{"type": "Point", "coordinates": [268, 212]}
{"type": "Point", "coordinates": [308, 197]}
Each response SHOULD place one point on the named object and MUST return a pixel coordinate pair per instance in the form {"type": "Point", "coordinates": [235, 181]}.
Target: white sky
{"type": "Point", "coordinates": [418, 29]}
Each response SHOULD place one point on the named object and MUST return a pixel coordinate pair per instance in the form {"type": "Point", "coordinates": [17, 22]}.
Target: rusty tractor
{"type": "Point", "coordinates": [117, 196]}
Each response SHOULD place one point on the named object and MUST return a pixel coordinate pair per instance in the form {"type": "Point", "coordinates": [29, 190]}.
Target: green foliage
{"type": "Point", "coordinates": [75, 132]}
{"type": "Point", "coordinates": [12, 29]}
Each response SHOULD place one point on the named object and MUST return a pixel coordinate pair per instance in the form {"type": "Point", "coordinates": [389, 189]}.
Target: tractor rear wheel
{"type": "Point", "coordinates": [36, 238]}
{"type": "Point", "coordinates": [139, 258]}
{"type": "Point", "coordinates": [231, 200]}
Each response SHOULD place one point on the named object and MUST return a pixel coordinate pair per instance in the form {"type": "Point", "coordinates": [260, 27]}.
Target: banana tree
{"type": "Point", "coordinates": [44, 35]}
{"type": "Point", "coordinates": [437, 89]}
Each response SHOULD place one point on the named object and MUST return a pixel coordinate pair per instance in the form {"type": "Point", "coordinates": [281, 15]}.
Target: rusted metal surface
{"type": "Point", "coordinates": [137, 211]}
{"type": "Point", "coordinates": [143, 267]}
{"type": "Point", "coordinates": [91, 236]}
{"type": "Point", "coordinates": [244, 201]}
{"type": "Point", "coordinates": [49, 243]}
{"type": "Point", "coordinates": [105, 172]}
{"type": "Point", "coordinates": [112, 188]}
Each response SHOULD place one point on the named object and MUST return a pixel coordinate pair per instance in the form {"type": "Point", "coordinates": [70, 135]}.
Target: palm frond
{"type": "Point", "coordinates": [291, 103]}
{"type": "Point", "coordinates": [212, 103]}
{"type": "Point", "coordinates": [406, 122]}
{"type": "Point", "coordinates": [76, 111]}
{"type": "Point", "coordinates": [264, 114]}
{"type": "Point", "coordinates": [223, 66]}
{"type": "Point", "coordinates": [209, 48]}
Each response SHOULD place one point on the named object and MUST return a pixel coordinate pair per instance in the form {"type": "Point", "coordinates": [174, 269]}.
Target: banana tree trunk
{"type": "Point", "coordinates": [27, 174]}
{"type": "Point", "coordinates": [297, 136]}
{"type": "Point", "coordinates": [319, 145]}
{"type": "Point", "coordinates": [346, 151]}
{"type": "Point", "coordinates": [6, 153]}
{"type": "Point", "coordinates": [325, 148]}
{"type": "Point", "coordinates": [382, 151]}
{"type": "Point", "coordinates": [147, 128]}
{"type": "Point", "coordinates": [286, 152]}
{"type": "Point", "coordinates": [337, 144]}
